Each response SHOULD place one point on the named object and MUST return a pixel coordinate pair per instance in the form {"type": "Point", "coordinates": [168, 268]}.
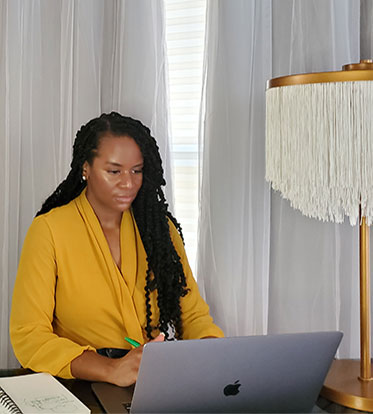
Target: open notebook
{"type": "Point", "coordinates": [37, 393]}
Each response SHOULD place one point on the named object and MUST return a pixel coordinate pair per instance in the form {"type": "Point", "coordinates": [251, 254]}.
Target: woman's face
{"type": "Point", "coordinates": [115, 175]}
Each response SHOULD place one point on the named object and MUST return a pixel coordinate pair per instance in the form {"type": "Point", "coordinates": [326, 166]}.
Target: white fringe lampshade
{"type": "Point", "coordinates": [319, 151]}
{"type": "Point", "coordinates": [319, 156]}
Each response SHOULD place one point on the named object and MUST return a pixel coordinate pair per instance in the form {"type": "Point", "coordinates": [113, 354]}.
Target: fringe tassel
{"type": "Point", "coordinates": [319, 148]}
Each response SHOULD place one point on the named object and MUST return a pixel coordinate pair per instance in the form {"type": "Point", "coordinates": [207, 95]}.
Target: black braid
{"type": "Point", "coordinates": [165, 272]}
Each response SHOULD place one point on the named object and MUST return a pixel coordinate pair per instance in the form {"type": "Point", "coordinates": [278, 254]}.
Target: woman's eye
{"type": "Point", "coordinates": [114, 171]}
{"type": "Point", "coordinates": [137, 171]}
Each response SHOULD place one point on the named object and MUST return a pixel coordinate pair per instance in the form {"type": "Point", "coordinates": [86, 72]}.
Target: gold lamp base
{"type": "Point", "coordinates": [343, 386]}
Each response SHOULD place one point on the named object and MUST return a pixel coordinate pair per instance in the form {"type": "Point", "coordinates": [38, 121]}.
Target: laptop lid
{"type": "Point", "coordinates": [272, 373]}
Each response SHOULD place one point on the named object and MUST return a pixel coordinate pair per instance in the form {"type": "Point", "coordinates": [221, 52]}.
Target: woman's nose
{"type": "Point", "coordinates": [126, 180]}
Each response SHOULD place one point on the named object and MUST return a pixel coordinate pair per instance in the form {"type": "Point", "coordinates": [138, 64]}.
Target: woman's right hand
{"type": "Point", "coordinates": [124, 371]}
{"type": "Point", "coordinates": [121, 371]}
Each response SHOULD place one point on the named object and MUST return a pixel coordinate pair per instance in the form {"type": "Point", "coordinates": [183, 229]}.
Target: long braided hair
{"type": "Point", "coordinates": [164, 272]}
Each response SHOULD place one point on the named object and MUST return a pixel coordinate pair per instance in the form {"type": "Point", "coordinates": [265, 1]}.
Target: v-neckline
{"type": "Point", "coordinates": [128, 242]}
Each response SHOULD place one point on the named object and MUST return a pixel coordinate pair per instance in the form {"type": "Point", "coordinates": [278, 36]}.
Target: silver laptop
{"type": "Point", "coordinates": [271, 373]}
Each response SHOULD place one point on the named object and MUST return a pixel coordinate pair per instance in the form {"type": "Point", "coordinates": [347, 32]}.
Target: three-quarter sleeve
{"type": "Point", "coordinates": [35, 344]}
{"type": "Point", "coordinates": [196, 318]}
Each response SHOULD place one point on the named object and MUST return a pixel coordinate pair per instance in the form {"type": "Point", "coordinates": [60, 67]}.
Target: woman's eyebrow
{"type": "Point", "coordinates": [117, 164]}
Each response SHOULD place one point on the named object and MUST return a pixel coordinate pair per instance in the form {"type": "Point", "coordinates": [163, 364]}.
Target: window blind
{"type": "Point", "coordinates": [185, 35]}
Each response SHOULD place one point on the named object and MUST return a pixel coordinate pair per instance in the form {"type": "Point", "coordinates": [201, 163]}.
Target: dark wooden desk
{"type": "Point", "coordinates": [81, 389]}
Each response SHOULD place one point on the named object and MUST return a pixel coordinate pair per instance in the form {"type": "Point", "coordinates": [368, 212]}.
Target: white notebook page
{"type": "Point", "coordinates": [41, 393]}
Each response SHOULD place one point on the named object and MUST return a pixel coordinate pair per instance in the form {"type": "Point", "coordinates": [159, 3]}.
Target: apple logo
{"type": "Point", "coordinates": [232, 389]}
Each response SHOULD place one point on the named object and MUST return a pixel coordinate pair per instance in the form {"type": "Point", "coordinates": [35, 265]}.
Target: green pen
{"type": "Point", "coordinates": [132, 342]}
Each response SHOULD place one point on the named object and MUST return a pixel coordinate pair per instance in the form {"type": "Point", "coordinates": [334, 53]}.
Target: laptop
{"type": "Point", "coordinates": [270, 373]}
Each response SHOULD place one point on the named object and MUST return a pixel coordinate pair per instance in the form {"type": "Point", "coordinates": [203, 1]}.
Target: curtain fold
{"type": "Point", "coordinates": [134, 69]}
{"type": "Point", "coordinates": [233, 250]}
{"type": "Point", "coordinates": [366, 29]}
{"type": "Point", "coordinates": [61, 64]}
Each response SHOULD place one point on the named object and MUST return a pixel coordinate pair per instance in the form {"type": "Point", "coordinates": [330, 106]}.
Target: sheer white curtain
{"type": "Point", "coordinates": [314, 268]}
{"type": "Point", "coordinates": [61, 64]}
{"type": "Point", "coordinates": [233, 251]}
{"type": "Point", "coordinates": [301, 275]}
{"type": "Point", "coordinates": [366, 29]}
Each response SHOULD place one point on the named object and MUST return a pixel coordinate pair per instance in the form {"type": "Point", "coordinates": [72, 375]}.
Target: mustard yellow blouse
{"type": "Point", "coordinates": [70, 296]}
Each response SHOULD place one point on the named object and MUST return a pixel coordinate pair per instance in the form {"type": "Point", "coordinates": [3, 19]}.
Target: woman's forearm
{"type": "Point", "coordinates": [94, 367]}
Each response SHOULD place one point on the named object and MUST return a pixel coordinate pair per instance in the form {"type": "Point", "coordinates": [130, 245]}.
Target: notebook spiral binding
{"type": "Point", "coordinates": [8, 403]}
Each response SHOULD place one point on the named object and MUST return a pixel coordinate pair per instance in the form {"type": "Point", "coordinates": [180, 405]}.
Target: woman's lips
{"type": "Point", "coordinates": [123, 199]}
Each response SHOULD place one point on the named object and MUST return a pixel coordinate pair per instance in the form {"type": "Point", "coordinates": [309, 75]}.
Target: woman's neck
{"type": "Point", "coordinates": [108, 219]}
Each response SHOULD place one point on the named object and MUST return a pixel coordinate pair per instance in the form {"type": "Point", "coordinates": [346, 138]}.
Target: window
{"type": "Point", "coordinates": [185, 36]}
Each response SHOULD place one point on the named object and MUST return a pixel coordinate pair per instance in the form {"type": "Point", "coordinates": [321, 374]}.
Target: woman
{"type": "Point", "coordinates": [104, 260]}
